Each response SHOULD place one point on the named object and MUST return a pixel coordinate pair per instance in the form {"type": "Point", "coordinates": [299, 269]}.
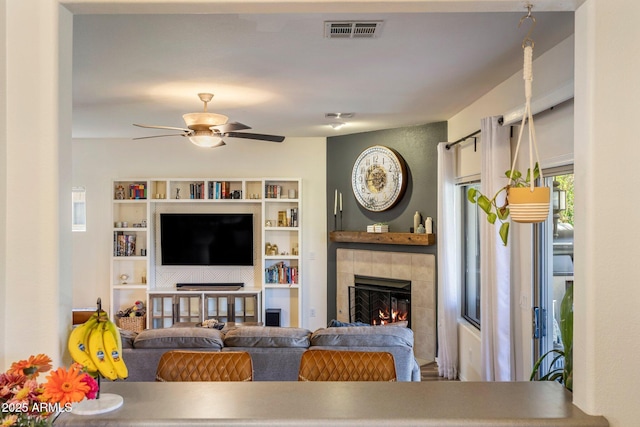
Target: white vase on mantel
{"type": "Point", "coordinates": [417, 219]}
{"type": "Point", "coordinates": [428, 225]}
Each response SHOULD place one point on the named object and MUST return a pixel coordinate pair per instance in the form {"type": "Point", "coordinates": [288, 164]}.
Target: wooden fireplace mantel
{"type": "Point", "coordinates": [412, 239]}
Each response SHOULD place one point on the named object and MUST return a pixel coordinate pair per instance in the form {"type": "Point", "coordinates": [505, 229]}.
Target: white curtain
{"type": "Point", "coordinates": [496, 332]}
{"type": "Point", "coordinates": [448, 264]}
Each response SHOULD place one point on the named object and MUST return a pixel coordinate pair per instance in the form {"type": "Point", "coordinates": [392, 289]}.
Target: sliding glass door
{"type": "Point", "coordinates": [553, 272]}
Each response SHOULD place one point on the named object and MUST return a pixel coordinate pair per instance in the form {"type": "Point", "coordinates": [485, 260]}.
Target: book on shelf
{"type": "Point", "coordinates": [272, 191]}
{"type": "Point", "coordinates": [288, 218]}
{"type": "Point", "coordinates": [281, 273]}
{"type": "Point", "coordinates": [124, 244]}
{"type": "Point", "coordinates": [196, 190]}
{"type": "Point", "coordinates": [225, 193]}
{"type": "Point", "coordinates": [282, 219]}
{"type": "Point", "coordinates": [138, 191]}
{"type": "Point", "coordinates": [219, 189]}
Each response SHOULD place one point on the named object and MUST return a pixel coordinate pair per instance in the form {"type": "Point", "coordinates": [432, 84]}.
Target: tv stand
{"type": "Point", "coordinates": [196, 305]}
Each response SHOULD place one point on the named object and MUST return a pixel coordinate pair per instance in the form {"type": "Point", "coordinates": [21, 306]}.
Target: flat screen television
{"type": "Point", "coordinates": [206, 238]}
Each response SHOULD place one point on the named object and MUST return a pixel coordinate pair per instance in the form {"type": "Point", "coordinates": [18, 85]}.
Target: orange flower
{"type": "Point", "coordinates": [32, 366]}
{"type": "Point", "coordinates": [64, 386]}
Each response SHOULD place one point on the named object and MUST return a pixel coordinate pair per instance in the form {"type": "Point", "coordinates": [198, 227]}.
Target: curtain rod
{"type": "Point", "coordinates": [542, 103]}
{"type": "Point", "coordinates": [464, 138]}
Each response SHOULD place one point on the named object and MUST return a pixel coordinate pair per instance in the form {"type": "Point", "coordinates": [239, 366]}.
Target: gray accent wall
{"type": "Point", "coordinates": [418, 146]}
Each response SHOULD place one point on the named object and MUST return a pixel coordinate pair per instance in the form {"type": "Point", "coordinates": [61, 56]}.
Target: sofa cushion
{"type": "Point", "coordinates": [267, 336]}
{"type": "Point", "coordinates": [127, 337]}
{"type": "Point", "coordinates": [194, 337]}
{"type": "Point", "coordinates": [273, 364]}
{"type": "Point", "coordinates": [363, 336]}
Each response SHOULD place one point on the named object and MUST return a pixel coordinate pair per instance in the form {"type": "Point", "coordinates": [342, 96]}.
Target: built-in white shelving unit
{"type": "Point", "coordinates": [131, 240]}
{"type": "Point", "coordinates": [137, 275]}
{"type": "Point", "coordinates": [281, 259]}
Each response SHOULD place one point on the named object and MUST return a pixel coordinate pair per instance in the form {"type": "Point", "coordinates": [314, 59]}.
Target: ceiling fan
{"type": "Point", "coordinates": [207, 129]}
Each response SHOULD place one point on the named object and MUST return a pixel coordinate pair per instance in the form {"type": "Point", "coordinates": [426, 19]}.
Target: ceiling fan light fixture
{"type": "Point", "coordinates": [207, 141]}
{"type": "Point", "coordinates": [203, 121]}
{"type": "Point", "coordinates": [207, 129]}
{"type": "Point", "coordinates": [337, 125]}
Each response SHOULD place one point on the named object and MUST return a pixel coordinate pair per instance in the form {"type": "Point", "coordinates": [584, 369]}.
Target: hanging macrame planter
{"type": "Point", "coordinates": [528, 204]}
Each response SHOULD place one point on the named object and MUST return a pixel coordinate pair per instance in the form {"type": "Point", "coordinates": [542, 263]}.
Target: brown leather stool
{"type": "Point", "coordinates": [333, 365]}
{"type": "Point", "coordinates": [179, 365]}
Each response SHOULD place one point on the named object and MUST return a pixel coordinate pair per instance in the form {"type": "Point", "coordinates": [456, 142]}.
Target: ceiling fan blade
{"type": "Point", "coordinates": [229, 127]}
{"type": "Point", "coordinates": [259, 136]}
{"type": "Point", "coordinates": [160, 136]}
{"type": "Point", "coordinates": [162, 127]}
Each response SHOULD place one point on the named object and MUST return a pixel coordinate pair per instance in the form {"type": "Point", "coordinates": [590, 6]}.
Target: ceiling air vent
{"type": "Point", "coordinates": [352, 29]}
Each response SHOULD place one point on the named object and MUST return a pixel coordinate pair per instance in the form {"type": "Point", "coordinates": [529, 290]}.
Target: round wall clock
{"type": "Point", "coordinates": [379, 178]}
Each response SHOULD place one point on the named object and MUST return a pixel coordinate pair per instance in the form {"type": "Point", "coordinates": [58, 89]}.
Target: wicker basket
{"type": "Point", "coordinates": [135, 324]}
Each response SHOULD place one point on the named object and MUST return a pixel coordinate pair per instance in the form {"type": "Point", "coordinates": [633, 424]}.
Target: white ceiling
{"type": "Point", "coordinates": [278, 74]}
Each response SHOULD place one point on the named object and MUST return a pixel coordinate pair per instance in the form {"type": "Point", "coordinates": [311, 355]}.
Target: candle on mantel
{"type": "Point", "coordinates": [335, 202]}
{"type": "Point", "coordinates": [340, 202]}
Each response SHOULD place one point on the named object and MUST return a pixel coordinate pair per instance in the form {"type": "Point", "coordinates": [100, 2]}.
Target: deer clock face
{"type": "Point", "coordinates": [378, 178]}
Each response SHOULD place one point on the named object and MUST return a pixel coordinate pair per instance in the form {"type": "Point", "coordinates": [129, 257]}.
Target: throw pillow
{"type": "Point", "coordinates": [338, 324]}
{"type": "Point", "coordinates": [362, 336]}
{"type": "Point", "coordinates": [267, 336]}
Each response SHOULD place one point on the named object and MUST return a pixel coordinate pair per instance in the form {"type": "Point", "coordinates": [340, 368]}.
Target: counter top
{"type": "Point", "coordinates": [339, 404]}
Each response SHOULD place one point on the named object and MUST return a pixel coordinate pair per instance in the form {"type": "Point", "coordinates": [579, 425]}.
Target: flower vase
{"type": "Point", "coordinates": [105, 403]}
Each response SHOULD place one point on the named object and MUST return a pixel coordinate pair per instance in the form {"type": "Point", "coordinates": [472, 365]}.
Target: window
{"type": "Point", "coordinates": [553, 263]}
{"type": "Point", "coordinates": [470, 258]}
{"type": "Point", "coordinates": [78, 209]}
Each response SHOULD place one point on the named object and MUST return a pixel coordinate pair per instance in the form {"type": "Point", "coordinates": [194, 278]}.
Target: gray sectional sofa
{"type": "Point", "coordinates": [275, 351]}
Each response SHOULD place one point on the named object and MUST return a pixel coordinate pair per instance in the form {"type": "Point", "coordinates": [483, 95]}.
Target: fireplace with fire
{"type": "Point", "coordinates": [378, 301]}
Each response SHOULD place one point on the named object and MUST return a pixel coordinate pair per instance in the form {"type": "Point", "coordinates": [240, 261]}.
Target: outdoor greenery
{"type": "Point", "coordinates": [566, 183]}
{"type": "Point", "coordinates": [558, 371]}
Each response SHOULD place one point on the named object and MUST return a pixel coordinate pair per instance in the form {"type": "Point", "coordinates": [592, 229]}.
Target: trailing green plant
{"type": "Point", "coordinates": [564, 374]}
{"type": "Point", "coordinates": [497, 212]}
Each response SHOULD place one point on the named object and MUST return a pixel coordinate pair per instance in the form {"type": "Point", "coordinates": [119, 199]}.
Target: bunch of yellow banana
{"type": "Point", "coordinates": [97, 345]}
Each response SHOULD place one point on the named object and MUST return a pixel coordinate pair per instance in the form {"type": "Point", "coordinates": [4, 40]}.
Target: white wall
{"type": "Point", "coordinates": [35, 279]}
{"type": "Point", "coordinates": [469, 352]}
{"type": "Point", "coordinates": [550, 70]}
{"type": "Point", "coordinates": [554, 131]}
{"type": "Point", "coordinates": [97, 162]}
{"type": "Point", "coordinates": [606, 320]}
{"type": "Point", "coordinates": [3, 173]}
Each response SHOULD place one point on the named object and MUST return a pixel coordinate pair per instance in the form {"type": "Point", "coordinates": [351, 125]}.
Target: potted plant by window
{"type": "Point", "coordinates": [528, 203]}
{"type": "Point", "coordinates": [522, 202]}
{"type": "Point", "coordinates": [561, 367]}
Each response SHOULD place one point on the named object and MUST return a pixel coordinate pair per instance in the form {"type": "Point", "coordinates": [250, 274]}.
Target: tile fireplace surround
{"type": "Point", "coordinates": [419, 268]}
